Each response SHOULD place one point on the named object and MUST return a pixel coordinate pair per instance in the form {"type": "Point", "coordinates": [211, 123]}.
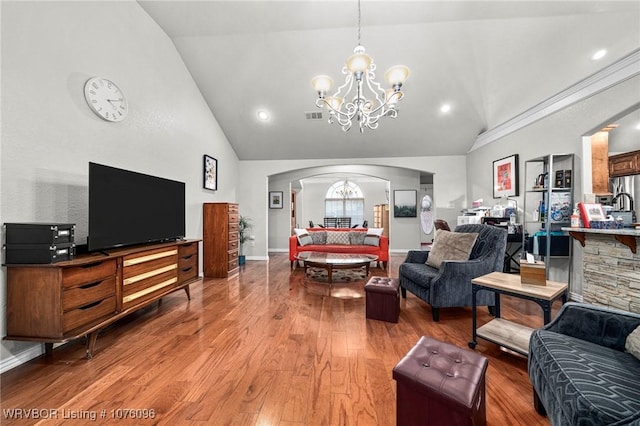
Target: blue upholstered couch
{"type": "Point", "coordinates": [450, 285]}
{"type": "Point", "coordinates": [580, 372]}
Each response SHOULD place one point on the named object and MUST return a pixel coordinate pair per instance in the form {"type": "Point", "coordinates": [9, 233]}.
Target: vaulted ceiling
{"type": "Point", "coordinates": [490, 60]}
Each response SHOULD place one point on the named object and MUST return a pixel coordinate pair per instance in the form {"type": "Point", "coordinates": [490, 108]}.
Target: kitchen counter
{"type": "Point", "coordinates": [610, 265]}
{"type": "Point", "coordinates": [626, 236]}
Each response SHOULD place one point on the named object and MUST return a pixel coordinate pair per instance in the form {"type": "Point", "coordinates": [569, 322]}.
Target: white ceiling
{"type": "Point", "coordinates": [491, 60]}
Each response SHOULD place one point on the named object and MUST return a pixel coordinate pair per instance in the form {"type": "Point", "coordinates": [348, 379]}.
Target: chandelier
{"type": "Point", "coordinates": [366, 101]}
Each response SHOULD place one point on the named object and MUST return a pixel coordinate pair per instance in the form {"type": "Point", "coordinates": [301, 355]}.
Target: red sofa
{"type": "Point", "coordinates": [382, 250]}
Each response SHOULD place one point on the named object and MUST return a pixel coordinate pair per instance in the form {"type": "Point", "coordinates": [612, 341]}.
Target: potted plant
{"type": "Point", "coordinates": [244, 226]}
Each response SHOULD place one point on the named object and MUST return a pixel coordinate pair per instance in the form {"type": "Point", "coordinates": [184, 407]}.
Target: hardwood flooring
{"type": "Point", "coordinates": [264, 348]}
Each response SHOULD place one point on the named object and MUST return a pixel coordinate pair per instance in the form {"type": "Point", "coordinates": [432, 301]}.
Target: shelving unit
{"type": "Point", "coordinates": [548, 205]}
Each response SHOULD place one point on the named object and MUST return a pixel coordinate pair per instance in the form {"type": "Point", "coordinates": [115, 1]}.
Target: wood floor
{"type": "Point", "coordinates": [264, 348]}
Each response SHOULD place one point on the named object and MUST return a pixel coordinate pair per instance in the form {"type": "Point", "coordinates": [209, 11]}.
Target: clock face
{"type": "Point", "coordinates": [105, 99]}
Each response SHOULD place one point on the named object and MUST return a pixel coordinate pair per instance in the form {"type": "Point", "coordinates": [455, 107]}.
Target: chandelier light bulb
{"type": "Point", "coordinates": [334, 102]}
{"type": "Point", "coordinates": [397, 75]}
{"type": "Point", "coordinates": [359, 62]}
{"type": "Point", "coordinates": [322, 83]}
{"type": "Point", "coordinates": [393, 96]}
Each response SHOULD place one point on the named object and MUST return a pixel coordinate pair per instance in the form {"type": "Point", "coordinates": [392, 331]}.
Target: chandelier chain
{"type": "Point", "coordinates": [371, 101]}
{"type": "Point", "coordinates": [359, 19]}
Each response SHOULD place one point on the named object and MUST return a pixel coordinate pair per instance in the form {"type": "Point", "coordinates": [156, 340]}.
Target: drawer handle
{"type": "Point", "coordinates": [90, 305]}
{"type": "Point", "coordinates": [187, 257]}
{"type": "Point", "coordinates": [90, 285]}
{"type": "Point", "coordinates": [187, 269]}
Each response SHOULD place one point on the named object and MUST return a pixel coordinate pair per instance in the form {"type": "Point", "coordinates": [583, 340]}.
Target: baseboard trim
{"type": "Point", "coordinates": [575, 297]}
{"type": "Point", "coordinates": [20, 358]}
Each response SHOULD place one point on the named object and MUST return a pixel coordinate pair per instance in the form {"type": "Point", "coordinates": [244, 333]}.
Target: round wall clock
{"type": "Point", "coordinates": [105, 99]}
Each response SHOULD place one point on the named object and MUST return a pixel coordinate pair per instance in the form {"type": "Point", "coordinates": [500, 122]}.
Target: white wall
{"type": "Point", "coordinates": [557, 134]}
{"type": "Point", "coordinates": [49, 49]}
{"type": "Point", "coordinates": [259, 177]}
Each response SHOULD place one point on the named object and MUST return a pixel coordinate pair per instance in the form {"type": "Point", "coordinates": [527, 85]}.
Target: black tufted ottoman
{"type": "Point", "coordinates": [383, 299]}
{"type": "Point", "coordinates": [440, 384]}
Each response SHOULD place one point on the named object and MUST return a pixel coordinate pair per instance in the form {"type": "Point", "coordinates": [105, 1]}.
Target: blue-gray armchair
{"type": "Point", "coordinates": [450, 285]}
{"type": "Point", "coordinates": [580, 371]}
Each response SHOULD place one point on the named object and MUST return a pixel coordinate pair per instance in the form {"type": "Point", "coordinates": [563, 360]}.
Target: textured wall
{"type": "Point", "coordinates": [611, 273]}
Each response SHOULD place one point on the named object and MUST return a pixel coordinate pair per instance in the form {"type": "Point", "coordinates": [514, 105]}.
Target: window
{"type": "Point", "coordinates": [345, 199]}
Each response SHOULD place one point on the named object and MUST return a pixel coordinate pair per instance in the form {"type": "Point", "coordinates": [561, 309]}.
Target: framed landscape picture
{"type": "Point", "coordinates": [505, 177]}
{"type": "Point", "coordinates": [405, 203]}
{"type": "Point", "coordinates": [275, 199]}
{"type": "Point", "coordinates": [210, 172]}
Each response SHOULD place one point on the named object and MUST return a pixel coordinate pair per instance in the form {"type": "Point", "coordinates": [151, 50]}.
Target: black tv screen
{"type": "Point", "coordinates": [127, 208]}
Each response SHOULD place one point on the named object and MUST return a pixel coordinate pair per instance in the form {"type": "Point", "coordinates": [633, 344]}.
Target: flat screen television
{"type": "Point", "coordinates": [128, 208]}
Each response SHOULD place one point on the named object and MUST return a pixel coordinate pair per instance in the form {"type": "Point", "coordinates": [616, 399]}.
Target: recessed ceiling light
{"type": "Point", "coordinates": [599, 54]}
{"type": "Point", "coordinates": [263, 115]}
{"type": "Point", "coordinates": [638, 126]}
{"type": "Point", "coordinates": [445, 108]}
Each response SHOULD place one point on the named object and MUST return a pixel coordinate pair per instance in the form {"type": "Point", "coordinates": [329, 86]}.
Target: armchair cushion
{"type": "Point", "coordinates": [449, 245]}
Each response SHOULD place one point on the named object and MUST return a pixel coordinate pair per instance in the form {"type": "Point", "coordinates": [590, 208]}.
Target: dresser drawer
{"type": "Point", "coordinates": [86, 314]}
{"type": "Point", "coordinates": [88, 293]}
{"type": "Point", "coordinates": [186, 273]}
{"type": "Point", "coordinates": [233, 208]}
{"type": "Point", "coordinates": [233, 255]}
{"type": "Point", "coordinates": [187, 249]}
{"type": "Point", "coordinates": [234, 218]}
{"type": "Point", "coordinates": [233, 244]}
{"type": "Point", "coordinates": [187, 267]}
{"type": "Point", "coordinates": [233, 236]}
{"type": "Point", "coordinates": [233, 264]}
{"type": "Point", "coordinates": [89, 273]}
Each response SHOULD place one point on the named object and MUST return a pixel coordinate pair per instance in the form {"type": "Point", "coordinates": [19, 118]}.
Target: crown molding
{"type": "Point", "coordinates": [614, 74]}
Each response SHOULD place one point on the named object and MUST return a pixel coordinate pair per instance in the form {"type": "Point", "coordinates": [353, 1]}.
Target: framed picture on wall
{"type": "Point", "coordinates": [275, 199]}
{"type": "Point", "coordinates": [505, 177]}
{"type": "Point", "coordinates": [405, 203]}
{"type": "Point", "coordinates": [210, 173]}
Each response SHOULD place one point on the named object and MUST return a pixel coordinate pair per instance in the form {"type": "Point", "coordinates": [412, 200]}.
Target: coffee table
{"type": "Point", "coordinates": [331, 261]}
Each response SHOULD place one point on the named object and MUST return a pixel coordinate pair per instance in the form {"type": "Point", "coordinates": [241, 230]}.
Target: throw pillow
{"type": "Point", "coordinates": [632, 344]}
{"type": "Point", "coordinates": [319, 237]}
{"type": "Point", "coordinates": [371, 240]}
{"type": "Point", "coordinates": [375, 231]}
{"type": "Point", "coordinates": [451, 246]}
{"type": "Point", "coordinates": [357, 238]}
{"type": "Point", "coordinates": [338, 237]}
{"type": "Point", "coordinates": [303, 237]}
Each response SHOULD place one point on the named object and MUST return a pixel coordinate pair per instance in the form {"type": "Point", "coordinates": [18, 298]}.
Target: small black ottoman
{"type": "Point", "coordinates": [440, 384]}
{"type": "Point", "coordinates": [383, 299]}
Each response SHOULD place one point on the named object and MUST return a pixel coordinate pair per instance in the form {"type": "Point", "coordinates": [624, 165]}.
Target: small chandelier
{"type": "Point", "coordinates": [366, 108]}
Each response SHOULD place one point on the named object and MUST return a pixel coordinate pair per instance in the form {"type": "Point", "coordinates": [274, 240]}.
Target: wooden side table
{"type": "Point", "coordinates": [506, 333]}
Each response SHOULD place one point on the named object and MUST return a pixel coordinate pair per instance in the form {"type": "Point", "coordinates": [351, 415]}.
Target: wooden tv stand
{"type": "Point", "coordinates": [59, 302]}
